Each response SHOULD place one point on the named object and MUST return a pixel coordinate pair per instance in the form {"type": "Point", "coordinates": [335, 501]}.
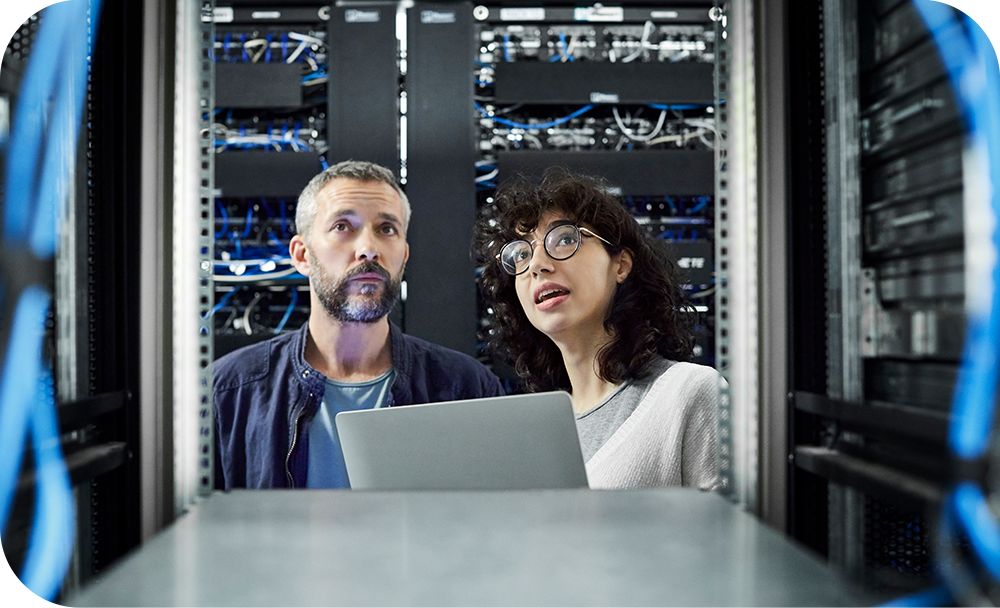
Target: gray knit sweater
{"type": "Point", "coordinates": [670, 438]}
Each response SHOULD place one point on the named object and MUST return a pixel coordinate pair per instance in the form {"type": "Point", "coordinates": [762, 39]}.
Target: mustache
{"type": "Point", "coordinates": [368, 268]}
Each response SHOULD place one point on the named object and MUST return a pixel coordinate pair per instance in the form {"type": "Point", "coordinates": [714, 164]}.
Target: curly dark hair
{"type": "Point", "coordinates": [649, 314]}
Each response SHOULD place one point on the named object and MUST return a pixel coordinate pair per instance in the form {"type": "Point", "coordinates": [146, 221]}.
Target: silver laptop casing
{"type": "Point", "coordinates": [501, 443]}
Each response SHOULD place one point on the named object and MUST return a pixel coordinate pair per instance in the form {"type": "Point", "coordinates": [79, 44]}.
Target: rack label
{"type": "Point", "coordinates": [599, 13]}
{"type": "Point", "coordinates": [265, 15]}
{"type": "Point", "coordinates": [437, 17]}
{"type": "Point", "coordinates": [356, 15]}
{"type": "Point", "coordinates": [222, 14]}
{"type": "Point", "coordinates": [522, 14]}
{"type": "Point", "coordinates": [597, 97]}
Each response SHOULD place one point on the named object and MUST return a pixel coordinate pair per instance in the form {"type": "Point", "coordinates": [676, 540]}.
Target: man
{"type": "Point", "coordinates": [275, 401]}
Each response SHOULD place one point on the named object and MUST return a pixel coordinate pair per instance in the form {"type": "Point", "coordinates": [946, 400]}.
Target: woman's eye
{"type": "Point", "coordinates": [567, 240]}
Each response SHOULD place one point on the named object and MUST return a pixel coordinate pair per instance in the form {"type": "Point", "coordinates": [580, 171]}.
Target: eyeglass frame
{"type": "Point", "coordinates": [583, 230]}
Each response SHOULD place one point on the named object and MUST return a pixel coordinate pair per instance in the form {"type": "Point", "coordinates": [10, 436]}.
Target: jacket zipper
{"type": "Point", "coordinates": [291, 448]}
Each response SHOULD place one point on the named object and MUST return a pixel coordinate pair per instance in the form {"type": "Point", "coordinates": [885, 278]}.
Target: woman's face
{"type": "Point", "coordinates": [567, 298]}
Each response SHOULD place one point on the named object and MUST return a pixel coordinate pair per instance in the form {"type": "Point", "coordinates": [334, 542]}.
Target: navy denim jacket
{"type": "Point", "coordinates": [266, 396]}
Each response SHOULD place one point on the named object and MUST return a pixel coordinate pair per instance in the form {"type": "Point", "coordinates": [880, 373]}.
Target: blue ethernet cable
{"type": "Point", "coordinates": [564, 47]}
{"type": "Point", "coordinates": [221, 232]}
{"type": "Point", "coordinates": [537, 126]}
{"type": "Point", "coordinates": [248, 226]}
{"type": "Point", "coordinates": [54, 527]}
{"type": "Point", "coordinates": [45, 131]}
{"type": "Point", "coordinates": [678, 106]}
{"type": "Point", "coordinates": [221, 303]}
{"type": "Point", "coordinates": [33, 101]}
{"type": "Point", "coordinates": [972, 67]}
{"type": "Point", "coordinates": [288, 311]}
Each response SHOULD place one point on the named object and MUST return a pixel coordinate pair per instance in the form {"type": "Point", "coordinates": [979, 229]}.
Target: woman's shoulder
{"type": "Point", "coordinates": [690, 382]}
{"type": "Point", "coordinates": [667, 371]}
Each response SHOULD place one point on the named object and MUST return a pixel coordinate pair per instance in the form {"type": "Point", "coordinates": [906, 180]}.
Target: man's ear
{"type": "Point", "coordinates": [297, 251]}
{"type": "Point", "coordinates": [624, 266]}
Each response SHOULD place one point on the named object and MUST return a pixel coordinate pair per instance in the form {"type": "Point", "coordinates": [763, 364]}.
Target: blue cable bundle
{"type": "Point", "coordinates": [42, 144]}
{"type": "Point", "coordinates": [972, 67]}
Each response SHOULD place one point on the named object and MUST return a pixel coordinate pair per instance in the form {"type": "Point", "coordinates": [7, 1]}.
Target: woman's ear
{"type": "Point", "coordinates": [624, 265]}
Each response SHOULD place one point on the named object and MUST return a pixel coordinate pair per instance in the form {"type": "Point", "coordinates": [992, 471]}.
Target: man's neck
{"type": "Point", "coordinates": [348, 352]}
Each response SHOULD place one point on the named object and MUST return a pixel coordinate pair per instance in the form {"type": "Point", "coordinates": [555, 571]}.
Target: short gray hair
{"type": "Point", "coordinates": [305, 210]}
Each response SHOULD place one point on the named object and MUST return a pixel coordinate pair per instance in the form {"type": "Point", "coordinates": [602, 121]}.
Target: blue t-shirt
{"type": "Point", "coordinates": [326, 458]}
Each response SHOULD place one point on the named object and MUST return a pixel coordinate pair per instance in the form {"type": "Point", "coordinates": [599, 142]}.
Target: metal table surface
{"type": "Point", "coordinates": [553, 547]}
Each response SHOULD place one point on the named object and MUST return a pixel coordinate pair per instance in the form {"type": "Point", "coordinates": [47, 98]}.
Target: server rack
{"type": "Point", "coordinates": [91, 342]}
{"type": "Point", "coordinates": [297, 89]}
{"type": "Point", "coordinates": [881, 160]}
{"type": "Point", "coordinates": [626, 93]}
{"type": "Point", "coordinates": [270, 136]}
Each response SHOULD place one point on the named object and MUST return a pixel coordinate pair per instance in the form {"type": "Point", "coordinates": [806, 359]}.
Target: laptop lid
{"type": "Point", "coordinates": [500, 443]}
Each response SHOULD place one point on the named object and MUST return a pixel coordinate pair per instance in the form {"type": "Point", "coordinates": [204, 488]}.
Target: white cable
{"type": "Point", "coordinates": [533, 139]}
{"type": "Point", "coordinates": [488, 176]}
{"type": "Point", "coordinates": [680, 139]}
{"type": "Point", "coordinates": [252, 278]}
{"type": "Point", "coordinates": [298, 51]}
{"type": "Point", "coordinates": [252, 262]}
{"type": "Point", "coordinates": [702, 294]}
{"type": "Point", "coordinates": [647, 29]}
{"type": "Point", "coordinates": [645, 137]}
{"type": "Point", "coordinates": [305, 38]}
{"type": "Point", "coordinates": [312, 63]}
{"type": "Point", "coordinates": [246, 313]}
{"type": "Point", "coordinates": [570, 45]}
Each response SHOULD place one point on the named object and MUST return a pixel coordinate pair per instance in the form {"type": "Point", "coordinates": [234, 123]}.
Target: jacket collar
{"type": "Point", "coordinates": [400, 353]}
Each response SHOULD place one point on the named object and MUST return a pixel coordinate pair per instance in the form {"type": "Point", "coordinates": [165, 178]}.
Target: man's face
{"type": "Point", "coordinates": [355, 251]}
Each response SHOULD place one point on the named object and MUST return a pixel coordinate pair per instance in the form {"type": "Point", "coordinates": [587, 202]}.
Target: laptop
{"type": "Point", "coordinates": [516, 442]}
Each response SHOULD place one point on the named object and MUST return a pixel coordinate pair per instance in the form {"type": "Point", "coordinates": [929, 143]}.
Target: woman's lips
{"type": "Point", "coordinates": [550, 303]}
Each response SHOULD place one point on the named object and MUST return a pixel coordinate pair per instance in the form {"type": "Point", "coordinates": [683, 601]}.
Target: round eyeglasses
{"type": "Point", "coordinates": [560, 243]}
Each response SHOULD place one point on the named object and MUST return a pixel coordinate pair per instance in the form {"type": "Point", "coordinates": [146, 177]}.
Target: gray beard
{"type": "Point", "coordinates": [363, 307]}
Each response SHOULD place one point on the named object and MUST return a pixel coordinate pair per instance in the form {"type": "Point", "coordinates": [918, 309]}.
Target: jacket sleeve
{"type": "Point", "coordinates": [492, 387]}
{"type": "Point", "coordinates": [219, 471]}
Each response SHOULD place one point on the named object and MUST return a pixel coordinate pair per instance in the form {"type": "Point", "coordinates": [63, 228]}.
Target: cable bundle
{"type": "Point", "coordinates": [972, 66]}
{"type": "Point", "coordinates": [41, 149]}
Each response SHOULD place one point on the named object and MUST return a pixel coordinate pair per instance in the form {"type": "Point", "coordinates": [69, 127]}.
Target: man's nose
{"type": "Point", "coordinates": [367, 246]}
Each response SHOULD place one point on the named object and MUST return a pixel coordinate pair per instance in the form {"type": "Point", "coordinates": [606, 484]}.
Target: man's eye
{"type": "Point", "coordinates": [389, 229]}
{"type": "Point", "coordinates": [340, 227]}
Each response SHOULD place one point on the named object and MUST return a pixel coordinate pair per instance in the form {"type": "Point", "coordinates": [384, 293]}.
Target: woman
{"type": "Point", "coordinates": [584, 303]}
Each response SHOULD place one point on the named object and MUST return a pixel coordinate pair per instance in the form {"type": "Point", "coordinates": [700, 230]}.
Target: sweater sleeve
{"type": "Point", "coordinates": [700, 440]}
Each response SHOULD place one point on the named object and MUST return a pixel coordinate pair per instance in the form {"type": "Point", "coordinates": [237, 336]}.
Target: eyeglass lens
{"type": "Point", "coordinates": [561, 242]}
